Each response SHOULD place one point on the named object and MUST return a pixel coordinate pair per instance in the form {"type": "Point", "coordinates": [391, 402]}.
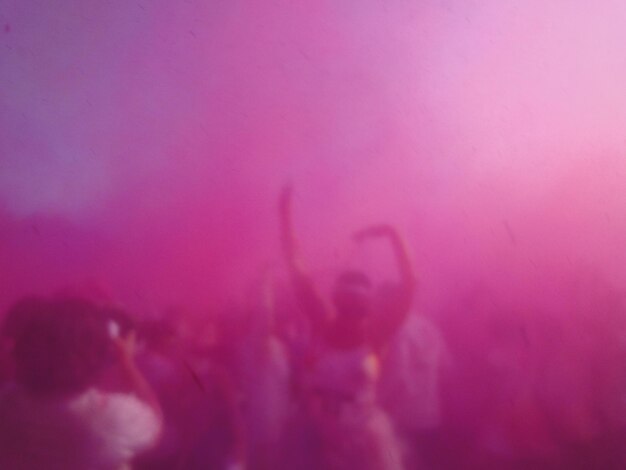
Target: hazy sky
{"type": "Point", "coordinates": [491, 131]}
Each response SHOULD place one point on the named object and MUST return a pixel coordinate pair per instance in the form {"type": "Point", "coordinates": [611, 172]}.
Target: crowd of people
{"type": "Point", "coordinates": [293, 377]}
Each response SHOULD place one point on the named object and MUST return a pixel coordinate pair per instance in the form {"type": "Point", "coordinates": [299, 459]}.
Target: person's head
{"type": "Point", "coordinates": [63, 348]}
{"type": "Point", "coordinates": [352, 297]}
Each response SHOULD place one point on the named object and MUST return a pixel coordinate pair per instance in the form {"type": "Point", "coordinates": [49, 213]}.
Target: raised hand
{"type": "Point", "coordinates": [125, 346]}
{"type": "Point", "coordinates": [310, 299]}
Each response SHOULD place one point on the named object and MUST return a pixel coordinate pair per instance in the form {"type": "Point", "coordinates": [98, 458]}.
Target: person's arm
{"type": "Point", "coordinates": [309, 298]}
{"type": "Point", "coordinates": [269, 303]}
{"type": "Point", "coordinates": [398, 306]}
{"type": "Point", "coordinates": [137, 383]}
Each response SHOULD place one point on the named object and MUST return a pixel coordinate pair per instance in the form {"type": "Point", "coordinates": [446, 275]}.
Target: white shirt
{"type": "Point", "coordinates": [409, 385]}
{"type": "Point", "coordinates": [94, 431]}
{"type": "Point", "coordinates": [123, 424]}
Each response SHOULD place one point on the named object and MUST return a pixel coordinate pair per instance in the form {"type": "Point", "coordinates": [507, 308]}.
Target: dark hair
{"type": "Point", "coordinates": [63, 348]}
{"type": "Point", "coordinates": [351, 296]}
{"type": "Point", "coordinates": [20, 315]}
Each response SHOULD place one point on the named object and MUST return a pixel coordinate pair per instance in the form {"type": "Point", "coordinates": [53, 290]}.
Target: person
{"type": "Point", "coordinates": [221, 442]}
{"type": "Point", "coordinates": [53, 415]}
{"type": "Point", "coordinates": [515, 431]}
{"type": "Point", "coordinates": [410, 386]}
{"type": "Point", "coordinates": [349, 333]}
{"type": "Point", "coordinates": [265, 381]}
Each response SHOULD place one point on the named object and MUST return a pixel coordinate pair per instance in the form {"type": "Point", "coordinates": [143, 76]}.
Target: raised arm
{"type": "Point", "coordinates": [397, 306]}
{"type": "Point", "coordinates": [309, 298]}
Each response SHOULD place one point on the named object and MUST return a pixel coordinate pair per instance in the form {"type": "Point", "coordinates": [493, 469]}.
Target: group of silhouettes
{"type": "Point", "coordinates": [293, 378]}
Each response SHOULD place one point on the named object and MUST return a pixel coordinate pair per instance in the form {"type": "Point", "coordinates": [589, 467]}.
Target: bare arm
{"type": "Point", "coordinates": [396, 311]}
{"type": "Point", "coordinates": [269, 296]}
{"type": "Point", "coordinates": [310, 299]}
{"type": "Point", "coordinates": [136, 381]}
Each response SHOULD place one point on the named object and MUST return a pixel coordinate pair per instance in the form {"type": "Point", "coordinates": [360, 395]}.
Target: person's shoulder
{"type": "Point", "coordinates": [424, 325]}
{"type": "Point", "coordinates": [418, 325]}
{"type": "Point", "coordinates": [94, 400]}
{"type": "Point", "coordinates": [88, 401]}
{"type": "Point", "coordinates": [118, 416]}
{"type": "Point", "coordinates": [388, 296]}
{"type": "Point", "coordinates": [421, 333]}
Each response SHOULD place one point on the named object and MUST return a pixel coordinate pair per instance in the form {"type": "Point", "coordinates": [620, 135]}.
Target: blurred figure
{"type": "Point", "coordinates": [161, 361]}
{"type": "Point", "coordinates": [515, 431]}
{"type": "Point", "coordinates": [264, 381]}
{"type": "Point", "coordinates": [583, 375]}
{"type": "Point", "coordinates": [348, 335]}
{"type": "Point", "coordinates": [410, 387]}
{"type": "Point", "coordinates": [54, 415]}
{"type": "Point", "coordinates": [221, 443]}
{"type": "Point", "coordinates": [202, 426]}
